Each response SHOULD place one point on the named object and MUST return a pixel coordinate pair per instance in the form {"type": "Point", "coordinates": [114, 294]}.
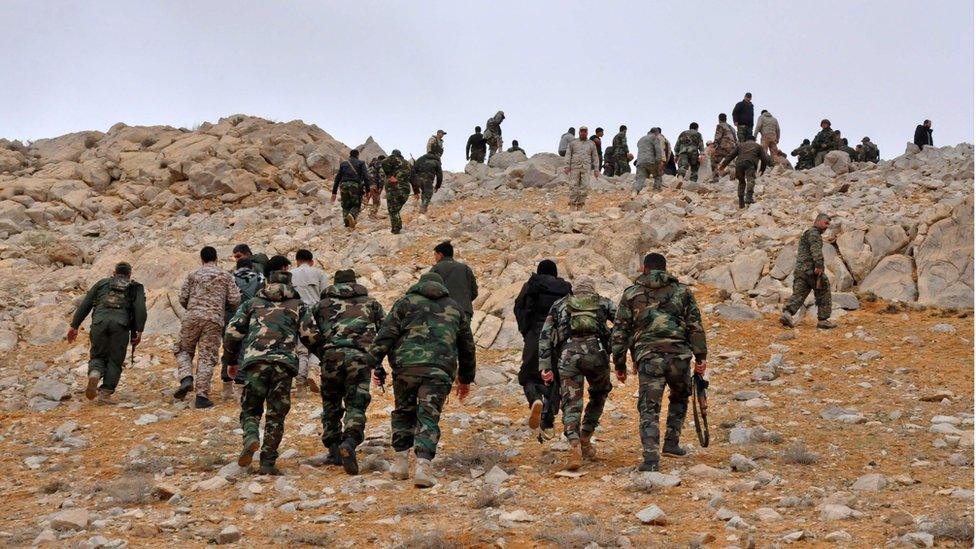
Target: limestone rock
{"type": "Point", "coordinates": [652, 515]}
{"type": "Point", "coordinates": [945, 260]}
{"type": "Point", "coordinates": [71, 519]}
{"type": "Point", "coordinates": [892, 279]}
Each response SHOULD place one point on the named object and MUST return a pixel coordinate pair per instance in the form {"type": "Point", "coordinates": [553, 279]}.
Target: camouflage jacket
{"type": "Point", "coordinates": [374, 174]}
{"type": "Point", "coordinates": [208, 293]}
{"type": "Point", "coordinates": [428, 165]}
{"type": "Point", "coordinates": [493, 128]}
{"type": "Point", "coordinates": [824, 141]}
{"type": "Point", "coordinates": [620, 148]}
{"type": "Point", "coordinates": [657, 315]}
{"type": "Point", "coordinates": [346, 317]}
{"type": "Point", "coordinates": [809, 252]}
{"type": "Point", "coordinates": [398, 167]}
{"type": "Point", "coordinates": [117, 299]}
{"type": "Point", "coordinates": [572, 321]}
{"type": "Point", "coordinates": [725, 138]}
{"type": "Point", "coordinates": [870, 153]}
{"type": "Point", "coordinates": [268, 326]}
{"type": "Point", "coordinates": [427, 328]}
{"type": "Point", "coordinates": [689, 141]}
{"type": "Point", "coordinates": [804, 156]}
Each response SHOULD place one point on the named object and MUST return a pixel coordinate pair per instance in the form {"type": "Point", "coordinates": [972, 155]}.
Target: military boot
{"type": "Point", "coordinates": [105, 397]}
{"type": "Point", "coordinates": [648, 465]}
{"type": "Point", "coordinates": [535, 415]}
{"type": "Point", "coordinates": [312, 386]}
{"type": "Point", "coordinates": [586, 447]}
{"type": "Point", "coordinates": [574, 459]}
{"type": "Point", "coordinates": [400, 469]}
{"type": "Point", "coordinates": [350, 221]}
{"type": "Point", "coordinates": [742, 202]}
{"type": "Point", "coordinates": [786, 319]}
{"type": "Point", "coordinates": [269, 469]}
{"type": "Point", "coordinates": [333, 457]}
{"type": "Point", "coordinates": [671, 448]}
{"type": "Point", "coordinates": [91, 390]}
{"type": "Point", "coordinates": [422, 476]}
{"type": "Point", "coordinates": [186, 385]}
{"type": "Point", "coordinates": [749, 199]}
{"type": "Point", "coordinates": [826, 324]}
{"type": "Point", "coordinates": [202, 402]}
{"type": "Point", "coordinates": [251, 445]}
{"type": "Point", "coordinates": [347, 453]}
{"type": "Point", "coordinates": [227, 391]}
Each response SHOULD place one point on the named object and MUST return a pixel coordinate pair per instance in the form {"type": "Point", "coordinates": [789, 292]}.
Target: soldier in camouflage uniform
{"type": "Point", "coordinates": [118, 308]}
{"type": "Point", "coordinates": [804, 155]}
{"type": "Point", "coordinates": [689, 148]}
{"type": "Point", "coordinates": [268, 327]}
{"type": "Point", "coordinates": [869, 151]}
{"type": "Point", "coordinates": [435, 145]}
{"type": "Point", "coordinates": [823, 142]}
{"type": "Point", "coordinates": [581, 161]}
{"type": "Point", "coordinates": [375, 178]}
{"type": "Point", "coordinates": [427, 339]}
{"type": "Point", "coordinates": [575, 339]}
{"type": "Point", "coordinates": [344, 324]}
{"type": "Point", "coordinates": [206, 295]}
{"type": "Point", "coordinates": [621, 152]}
{"type": "Point", "coordinates": [809, 275]}
{"type": "Point", "coordinates": [396, 174]}
{"type": "Point", "coordinates": [351, 181]}
{"type": "Point", "coordinates": [659, 323]}
{"type": "Point", "coordinates": [725, 142]}
{"type": "Point", "coordinates": [493, 133]}
{"type": "Point", "coordinates": [427, 170]}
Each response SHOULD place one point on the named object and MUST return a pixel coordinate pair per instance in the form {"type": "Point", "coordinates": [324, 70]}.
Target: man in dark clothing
{"type": "Point", "coordinates": [118, 308]}
{"type": "Point", "coordinates": [531, 307]}
{"type": "Point", "coordinates": [427, 178]}
{"type": "Point", "coordinates": [743, 115]}
{"type": "Point", "coordinates": [804, 155]}
{"type": "Point", "coordinates": [458, 277]}
{"type": "Point", "coordinates": [352, 180]}
{"type": "Point", "coordinates": [621, 152]}
{"type": "Point", "coordinates": [259, 262]}
{"type": "Point", "coordinates": [597, 138]}
{"type": "Point", "coordinates": [923, 134]}
{"type": "Point", "coordinates": [515, 147]}
{"type": "Point", "coordinates": [851, 151]}
{"type": "Point", "coordinates": [748, 156]}
{"type": "Point", "coordinates": [869, 151]}
{"type": "Point", "coordinates": [823, 142]}
{"type": "Point", "coordinates": [477, 147]}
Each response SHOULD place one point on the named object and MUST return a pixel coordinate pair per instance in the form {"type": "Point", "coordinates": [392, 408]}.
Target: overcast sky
{"type": "Point", "coordinates": [401, 70]}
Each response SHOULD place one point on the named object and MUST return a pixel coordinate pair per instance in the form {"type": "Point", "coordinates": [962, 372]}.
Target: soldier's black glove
{"type": "Point", "coordinates": [380, 375]}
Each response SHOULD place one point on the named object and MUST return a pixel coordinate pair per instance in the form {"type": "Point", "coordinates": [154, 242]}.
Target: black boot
{"type": "Point", "coordinates": [671, 448]}
{"type": "Point", "coordinates": [186, 385]}
{"type": "Point", "coordinates": [749, 199]}
{"type": "Point", "coordinates": [648, 466]}
{"type": "Point", "coordinates": [202, 402]}
{"type": "Point", "coordinates": [269, 469]}
{"type": "Point", "coordinates": [742, 202]}
{"type": "Point", "coordinates": [347, 452]}
{"type": "Point", "coordinates": [333, 457]}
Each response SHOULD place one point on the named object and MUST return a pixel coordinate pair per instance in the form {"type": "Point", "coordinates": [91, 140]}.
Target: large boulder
{"type": "Point", "coordinates": [13, 217]}
{"type": "Point", "coordinates": [838, 161]}
{"type": "Point", "coordinates": [862, 250]}
{"type": "Point", "coordinates": [505, 160]}
{"type": "Point", "coordinates": [11, 161]}
{"type": "Point", "coordinates": [945, 260]}
{"type": "Point", "coordinates": [892, 279]}
{"type": "Point", "coordinates": [746, 269]}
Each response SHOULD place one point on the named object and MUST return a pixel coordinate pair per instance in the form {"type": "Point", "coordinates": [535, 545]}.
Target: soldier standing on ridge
{"type": "Point", "coordinates": [650, 161]}
{"type": "Point", "coordinates": [725, 142]}
{"type": "Point", "coordinates": [823, 142]}
{"type": "Point", "coordinates": [768, 127]}
{"type": "Point", "coordinates": [118, 308]}
{"type": "Point", "coordinates": [581, 161]}
{"type": "Point", "coordinates": [493, 133]}
{"type": "Point", "coordinates": [597, 139]}
{"type": "Point", "coordinates": [435, 145]}
{"type": "Point", "coordinates": [809, 275]}
{"type": "Point", "coordinates": [621, 152]}
{"type": "Point", "coordinates": [476, 147]}
{"type": "Point", "coordinates": [689, 147]}
{"type": "Point", "coordinates": [743, 115]}
{"type": "Point", "coordinates": [206, 294]}
{"type": "Point", "coordinates": [564, 140]}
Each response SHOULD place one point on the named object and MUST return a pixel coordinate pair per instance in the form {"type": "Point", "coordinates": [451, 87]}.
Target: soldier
{"type": "Point", "coordinates": [748, 156]}
{"type": "Point", "coordinates": [428, 340]}
{"type": "Point", "coordinates": [435, 145]}
{"type": "Point", "coordinates": [476, 148]}
{"type": "Point", "coordinates": [118, 308]}
{"type": "Point", "coordinates": [659, 323]}
{"type": "Point", "coordinates": [804, 155]}
{"type": "Point", "coordinates": [396, 174]}
{"type": "Point", "coordinates": [268, 328]}
{"type": "Point", "coordinates": [869, 151]}
{"type": "Point", "coordinates": [310, 282]}
{"type": "Point", "coordinates": [742, 116]}
{"type": "Point", "coordinates": [206, 294]}
{"type": "Point", "coordinates": [564, 140]}
{"type": "Point", "coordinates": [575, 340]}
{"type": "Point", "coordinates": [768, 127]}
{"type": "Point", "coordinates": [375, 174]}
{"type": "Point", "coordinates": [493, 133]}
{"type": "Point", "coordinates": [515, 147]}
{"type": "Point", "coordinates": [352, 180]}
{"type": "Point", "coordinates": [650, 161]}
{"type": "Point", "coordinates": [725, 142]}
{"type": "Point", "coordinates": [609, 162]}
{"type": "Point", "coordinates": [531, 308]}
{"type": "Point", "coordinates": [249, 282]}
{"type": "Point", "coordinates": [581, 161]}
{"type": "Point", "coordinates": [344, 324]}
{"type": "Point", "coordinates": [259, 262]}
{"type": "Point", "coordinates": [621, 152]}
{"type": "Point", "coordinates": [851, 151]}
{"type": "Point", "coordinates": [823, 142]}
{"type": "Point", "coordinates": [597, 139]}
{"type": "Point", "coordinates": [426, 169]}
{"type": "Point", "coordinates": [457, 277]}
{"type": "Point", "coordinates": [809, 275]}
{"type": "Point", "coordinates": [689, 147]}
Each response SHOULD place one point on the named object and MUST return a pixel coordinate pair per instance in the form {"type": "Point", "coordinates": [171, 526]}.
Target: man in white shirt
{"type": "Point", "coordinates": [309, 281]}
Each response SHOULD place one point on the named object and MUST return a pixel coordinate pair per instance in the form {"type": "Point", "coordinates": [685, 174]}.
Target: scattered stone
{"type": "Point", "coordinates": [741, 463]}
{"type": "Point", "coordinates": [658, 480]}
{"type": "Point", "coordinates": [937, 396]}
{"type": "Point", "coordinates": [706, 471]}
{"type": "Point", "coordinates": [870, 483]}
{"type": "Point", "coordinates": [765, 514]}
{"type": "Point", "coordinates": [146, 419]}
{"type": "Point", "coordinates": [163, 491]}
{"type": "Point", "coordinates": [230, 534]}
{"type": "Point", "coordinates": [799, 535]}
{"type": "Point", "coordinates": [214, 483]}
{"type": "Point", "coordinates": [50, 389]}
{"type": "Point", "coordinates": [831, 512]}
{"type": "Point", "coordinates": [918, 539]}
{"type": "Point", "coordinates": [517, 515]}
{"type": "Point", "coordinates": [943, 329]}
{"type": "Point", "coordinates": [496, 476]}
{"type": "Point", "coordinates": [70, 519]}
{"type": "Point", "coordinates": [652, 515]}
{"type": "Point", "coordinates": [839, 536]}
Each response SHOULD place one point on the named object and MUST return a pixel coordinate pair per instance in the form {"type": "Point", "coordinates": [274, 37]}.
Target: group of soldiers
{"type": "Point", "coordinates": [811, 154]}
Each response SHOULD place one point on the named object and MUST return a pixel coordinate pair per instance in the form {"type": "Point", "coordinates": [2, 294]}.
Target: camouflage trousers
{"type": "Point", "coordinates": [622, 165]}
{"type": "Point", "coordinates": [742, 131]}
{"type": "Point", "coordinates": [109, 341]}
{"type": "Point", "coordinates": [746, 174]}
{"type": "Point", "coordinates": [579, 186]}
{"type": "Point", "coordinates": [478, 155]}
{"type": "Point", "coordinates": [654, 372]}
{"type": "Point", "coordinates": [373, 200]}
{"type": "Point", "coordinates": [201, 337]}
{"type": "Point", "coordinates": [419, 393]}
{"type": "Point", "coordinates": [593, 365]}
{"type": "Point", "coordinates": [345, 379]}
{"type": "Point", "coordinates": [646, 170]}
{"type": "Point", "coordinates": [395, 199]}
{"type": "Point", "coordinates": [351, 199]}
{"type": "Point", "coordinates": [494, 144]}
{"type": "Point", "coordinates": [425, 181]}
{"type": "Point", "coordinates": [269, 384]}
{"type": "Point", "coordinates": [803, 284]}
{"type": "Point", "coordinates": [306, 360]}
{"type": "Point", "coordinates": [770, 144]}
{"type": "Point", "coordinates": [688, 160]}
{"type": "Point", "coordinates": [718, 155]}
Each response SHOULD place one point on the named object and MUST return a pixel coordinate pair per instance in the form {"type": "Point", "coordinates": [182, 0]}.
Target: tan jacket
{"type": "Point", "coordinates": [207, 292]}
{"type": "Point", "coordinates": [768, 127]}
{"type": "Point", "coordinates": [581, 155]}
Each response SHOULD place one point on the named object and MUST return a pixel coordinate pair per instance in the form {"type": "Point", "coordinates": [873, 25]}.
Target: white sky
{"type": "Point", "coordinates": [401, 70]}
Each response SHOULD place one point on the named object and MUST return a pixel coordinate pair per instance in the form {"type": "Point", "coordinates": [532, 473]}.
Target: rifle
{"type": "Point", "coordinates": [699, 407]}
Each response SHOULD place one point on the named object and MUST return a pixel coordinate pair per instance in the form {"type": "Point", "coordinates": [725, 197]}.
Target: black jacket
{"type": "Point", "coordinates": [536, 298]}
{"type": "Point", "coordinates": [476, 143]}
{"type": "Point", "coordinates": [923, 136]}
{"type": "Point", "coordinates": [352, 169]}
{"type": "Point", "coordinates": [743, 113]}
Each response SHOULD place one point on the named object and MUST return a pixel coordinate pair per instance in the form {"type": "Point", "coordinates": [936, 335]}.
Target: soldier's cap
{"type": "Point", "coordinates": [584, 285]}
{"type": "Point", "coordinates": [123, 268]}
{"type": "Point", "coordinates": [442, 132]}
{"type": "Point", "coordinates": [344, 275]}
{"type": "Point", "coordinates": [865, 140]}
{"type": "Point", "coordinates": [396, 152]}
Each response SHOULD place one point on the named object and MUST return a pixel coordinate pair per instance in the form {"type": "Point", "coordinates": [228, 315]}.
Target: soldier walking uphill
{"type": "Point", "coordinates": [809, 275]}
{"type": "Point", "coordinates": [575, 340]}
{"type": "Point", "coordinates": [268, 328]}
{"type": "Point", "coordinates": [435, 145]}
{"type": "Point", "coordinates": [621, 152]}
{"type": "Point", "coordinates": [352, 181]}
{"type": "Point", "coordinates": [650, 161]}
{"type": "Point", "coordinates": [396, 175]}
{"type": "Point", "coordinates": [581, 161]}
{"type": "Point", "coordinates": [428, 340]}
{"type": "Point", "coordinates": [493, 133]}
{"type": "Point", "coordinates": [344, 324]}
{"type": "Point", "coordinates": [659, 323]}
{"type": "Point", "coordinates": [689, 148]}
{"type": "Point", "coordinates": [427, 178]}
{"type": "Point", "coordinates": [531, 308]}
{"type": "Point", "coordinates": [310, 282]}
{"type": "Point", "coordinates": [725, 142]}
{"type": "Point", "coordinates": [248, 281]}
{"type": "Point", "coordinates": [476, 147]}
{"type": "Point", "coordinates": [206, 294]}
{"type": "Point", "coordinates": [768, 127]}
{"type": "Point", "coordinates": [375, 178]}
{"type": "Point", "coordinates": [457, 277]}
{"type": "Point", "coordinates": [748, 156]}
{"type": "Point", "coordinates": [118, 308]}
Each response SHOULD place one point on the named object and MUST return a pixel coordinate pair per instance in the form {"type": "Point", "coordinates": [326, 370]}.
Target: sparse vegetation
{"type": "Point", "coordinates": [207, 462]}
{"type": "Point", "coordinates": [90, 141]}
{"type": "Point", "coordinates": [414, 508]}
{"type": "Point", "coordinates": [428, 540]}
{"type": "Point", "coordinates": [313, 539]}
{"type": "Point", "coordinates": [129, 489]}
{"type": "Point", "coordinates": [578, 538]}
{"type": "Point", "coordinates": [957, 528]}
{"type": "Point", "coordinates": [798, 454]}
{"type": "Point", "coordinates": [54, 486]}
{"type": "Point", "coordinates": [640, 483]}
{"type": "Point", "coordinates": [148, 142]}
{"type": "Point", "coordinates": [488, 496]}
{"type": "Point", "coordinates": [153, 464]}
{"type": "Point", "coordinates": [481, 454]}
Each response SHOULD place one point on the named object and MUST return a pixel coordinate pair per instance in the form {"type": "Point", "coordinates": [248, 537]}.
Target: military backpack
{"type": "Point", "coordinates": [118, 294]}
{"type": "Point", "coordinates": [584, 316]}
